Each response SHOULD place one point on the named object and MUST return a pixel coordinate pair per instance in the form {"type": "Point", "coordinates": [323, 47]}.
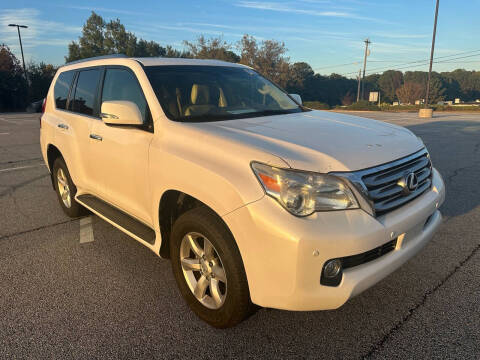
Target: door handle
{"type": "Point", "coordinates": [63, 126]}
{"type": "Point", "coordinates": [96, 137]}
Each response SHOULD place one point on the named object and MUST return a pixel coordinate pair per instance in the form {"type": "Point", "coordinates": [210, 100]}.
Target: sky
{"type": "Point", "coordinates": [327, 34]}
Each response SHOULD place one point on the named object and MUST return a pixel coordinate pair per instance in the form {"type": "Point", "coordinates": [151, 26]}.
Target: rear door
{"type": "Point", "coordinates": [121, 152]}
{"type": "Point", "coordinates": [59, 120]}
{"type": "Point", "coordinates": [75, 95]}
{"type": "Point", "coordinates": [84, 112]}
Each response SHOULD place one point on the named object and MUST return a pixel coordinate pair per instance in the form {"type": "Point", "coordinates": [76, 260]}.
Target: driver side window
{"type": "Point", "coordinates": [121, 84]}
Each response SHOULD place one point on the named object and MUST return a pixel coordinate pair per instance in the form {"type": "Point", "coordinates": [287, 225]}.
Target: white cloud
{"type": "Point", "coordinates": [152, 29]}
{"type": "Point", "coordinates": [393, 35]}
{"type": "Point", "coordinates": [39, 31]}
{"type": "Point", "coordinates": [309, 34]}
{"type": "Point", "coordinates": [107, 10]}
{"type": "Point", "coordinates": [279, 7]}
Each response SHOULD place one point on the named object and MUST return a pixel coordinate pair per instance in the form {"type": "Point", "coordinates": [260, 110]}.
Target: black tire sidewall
{"type": "Point", "coordinates": [237, 305]}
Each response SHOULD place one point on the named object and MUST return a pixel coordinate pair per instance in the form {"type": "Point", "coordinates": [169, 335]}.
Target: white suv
{"type": "Point", "coordinates": [254, 198]}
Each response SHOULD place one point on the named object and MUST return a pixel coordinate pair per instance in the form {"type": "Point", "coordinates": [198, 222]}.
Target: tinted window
{"type": "Point", "coordinates": [121, 84]}
{"type": "Point", "coordinates": [85, 91]}
{"type": "Point", "coordinates": [62, 86]}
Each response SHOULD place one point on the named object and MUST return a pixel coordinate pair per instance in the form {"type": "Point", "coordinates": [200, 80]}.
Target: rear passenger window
{"type": "Point", "coordinates": [85, 91]}
{"type": "Point", "coordinates": [121, 84]}
{"type": "Point", "coordinates": [61, 89]}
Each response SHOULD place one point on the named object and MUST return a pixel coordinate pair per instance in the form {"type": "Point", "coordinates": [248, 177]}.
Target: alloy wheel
{"type": "Point", "coordinates": [203, 270]}
{"type": "Point", "coordinates": [63, 188]}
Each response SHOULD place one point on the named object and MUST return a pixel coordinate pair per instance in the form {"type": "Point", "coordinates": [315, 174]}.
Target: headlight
{"type": "Point", "coordinates": [303, 193]}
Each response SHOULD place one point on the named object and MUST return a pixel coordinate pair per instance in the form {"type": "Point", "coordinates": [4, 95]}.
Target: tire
{"type": "Point", "coordinates": [200, 224]}
{"type": "Point", "coordinates": [71, 207]}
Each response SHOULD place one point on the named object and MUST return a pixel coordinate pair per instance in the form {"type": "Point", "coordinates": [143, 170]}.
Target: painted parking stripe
{"type": "Point", "coordinates": [21, 167]}
{"type": "Point", "coordinates": [9, 121]}
{"type": "Point", "coordinates": [4, 133]}
{"type": "Point", "coordinates": [86, 230]}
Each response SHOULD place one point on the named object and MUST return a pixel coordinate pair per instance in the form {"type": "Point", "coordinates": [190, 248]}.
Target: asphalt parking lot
{"type": "Point", "coordinates": [62, 297]}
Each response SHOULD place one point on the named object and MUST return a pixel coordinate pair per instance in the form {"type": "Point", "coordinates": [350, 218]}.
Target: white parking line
{"type": "Point", "coordinates": [4, 133]}
{"type": "Point", "coordinates": [9, 121]}
{"type": "Point", "coordinates": [21, 167]}
{"type": "Point", "coordinates": [86, 230]}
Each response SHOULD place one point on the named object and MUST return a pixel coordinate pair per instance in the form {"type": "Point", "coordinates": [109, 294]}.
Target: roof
{"type": "Point", "coordinates": [158, 61]}
{"type": "Point", "coordinates": [149, 61]}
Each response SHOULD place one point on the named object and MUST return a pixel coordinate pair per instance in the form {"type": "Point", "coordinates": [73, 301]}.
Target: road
{"type": "Point", "coordinates": [64, 295]}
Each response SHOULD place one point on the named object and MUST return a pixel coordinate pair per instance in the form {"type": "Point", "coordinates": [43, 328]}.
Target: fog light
{"type": "Point", "coordinates": [332, 268]}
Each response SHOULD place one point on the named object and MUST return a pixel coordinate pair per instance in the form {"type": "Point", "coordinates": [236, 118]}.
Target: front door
{"type": "Point", "coordinates": [121, 152]}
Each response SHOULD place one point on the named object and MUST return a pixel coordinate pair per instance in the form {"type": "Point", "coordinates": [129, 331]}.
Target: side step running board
{"type": "Point", "coordinates": [123, 221]}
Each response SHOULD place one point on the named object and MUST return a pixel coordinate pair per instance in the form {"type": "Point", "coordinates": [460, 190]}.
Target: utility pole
{"type": "Point", "coordinates": [21, 47]}
{"type": "Point", "coordinates": [431, 55]}
{"type": "Point", "coordinates": [367, 42]}
{"type": "Point", "coordinates": [359, 79]}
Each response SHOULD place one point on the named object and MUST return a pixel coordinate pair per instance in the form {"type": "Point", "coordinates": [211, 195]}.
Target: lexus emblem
{"type": "Point", "coordinates": [408, 183]}
{"type": "Point", "coordinates": [411, 181]}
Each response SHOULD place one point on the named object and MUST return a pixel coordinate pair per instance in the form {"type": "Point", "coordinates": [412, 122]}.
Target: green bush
{"type": "Point", "coordinates": [361, 105]}
{"type": "Point", "coordinates": [390, 107]}
{"type": "Point", "coordinates": [455, 108]}
{"type": "Point", "coordinates": [317, 105]}
{"type": "Point", "coordinates": [435, 107]}
{"type": "Point", "coordinates": [364, 105]}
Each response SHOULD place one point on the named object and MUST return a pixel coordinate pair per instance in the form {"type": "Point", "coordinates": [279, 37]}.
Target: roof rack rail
{"type": "Point", "coordinates": [97, 58]}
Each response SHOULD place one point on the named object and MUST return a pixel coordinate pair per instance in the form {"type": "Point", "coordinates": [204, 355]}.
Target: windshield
{"type": "Point", "coordinates": [213, 93]}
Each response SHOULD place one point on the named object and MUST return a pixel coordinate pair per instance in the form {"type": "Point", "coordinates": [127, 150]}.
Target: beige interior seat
{"type": "Point", "coordinates": [200, 101]}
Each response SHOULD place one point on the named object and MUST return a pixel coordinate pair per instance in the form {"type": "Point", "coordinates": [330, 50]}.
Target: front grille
{"type": "Point", "coordinates": [387, 187]}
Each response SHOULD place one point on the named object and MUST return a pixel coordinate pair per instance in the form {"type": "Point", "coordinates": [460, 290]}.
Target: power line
{"type": "Point", "coordinates": [418, 61]}
{"type": "Point", "coordinates": [332, 66]}
{"type": "Point", "coordinates": [424, 63]}
{"type": "Point", "coordinates": [389, 61]}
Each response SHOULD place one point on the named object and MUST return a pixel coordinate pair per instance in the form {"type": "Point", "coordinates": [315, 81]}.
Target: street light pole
{"type": "Point", "coordinates": [21, 46]}
{"type": "Point", "coordinates": [431, 55]}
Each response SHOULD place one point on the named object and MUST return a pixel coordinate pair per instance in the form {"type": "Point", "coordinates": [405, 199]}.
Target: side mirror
{"type": "Point", "coordinates": [297, 98]}
{"type": "Point", "coordinates": [121, 113]}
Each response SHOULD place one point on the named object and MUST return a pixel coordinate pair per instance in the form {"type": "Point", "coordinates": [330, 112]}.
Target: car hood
{"type": "Point", "coordinates": [321, 141]}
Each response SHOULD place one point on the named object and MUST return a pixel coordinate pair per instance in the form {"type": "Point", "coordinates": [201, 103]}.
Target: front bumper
{"type": "Point", "coordinates": [283, 255]}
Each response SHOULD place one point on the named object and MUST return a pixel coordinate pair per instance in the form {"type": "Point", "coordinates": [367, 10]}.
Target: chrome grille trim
{"type": "Point", "coordinates": [380, 187]}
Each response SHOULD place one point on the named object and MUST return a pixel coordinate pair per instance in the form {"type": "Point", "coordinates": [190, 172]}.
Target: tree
{"type": "Point", "coordinates": [437, 84]}
{"type": "Point", "coordinates": [149, 48]}
{"type": "Point", "coordinates": [13, 86]}
{"type": "Point", "coordinates": [268, 59]}
{"type": "Point", "coordinates": [248, 50]}
{"type": "Point", "coordinates": [298, 74]}
{"type": "Point", "coordinates": [171, 52]}
{"type": "Point", "coordinates": [104, 38]}
{"type": "Point", "coordinates": [213, 48]}
{"type": "Point", "coordinates": [371, 84]}
{"type": "Point", "coordinates": [348, 99]}
{"type": "Point", "coordinates": [409, 92]}
{"type": "Point", "coordinates": [462, 83]}
{"type": "Point", "coordinates": [40, 77]}
{"type": "Point", "coordinates": [389, 82]}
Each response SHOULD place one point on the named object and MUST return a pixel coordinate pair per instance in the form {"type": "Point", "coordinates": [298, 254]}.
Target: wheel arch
{"type": "Point", "coordinates": [174, 203]}
{"type": "Point", "coordinates": [52, 154]}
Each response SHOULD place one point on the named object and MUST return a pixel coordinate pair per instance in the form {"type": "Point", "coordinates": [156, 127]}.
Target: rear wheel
{"type": "Point", "coordinates": [208, 269]}
{"type": "Point", "coordinates": [66, 189]}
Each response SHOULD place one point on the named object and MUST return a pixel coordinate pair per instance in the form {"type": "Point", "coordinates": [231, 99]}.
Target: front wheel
{"type": "Point", "coordinates": [208, 269]}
